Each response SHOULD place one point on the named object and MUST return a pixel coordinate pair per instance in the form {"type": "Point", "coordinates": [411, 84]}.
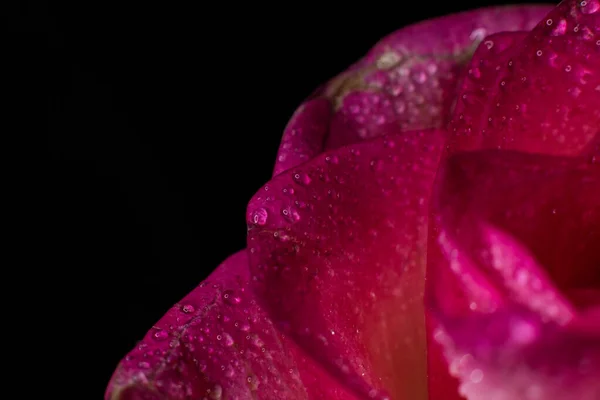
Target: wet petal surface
{"type": "Point", "coordinates": [305, 134]}
{"type": "Point", "coordinates": [217, 343]}
{"type": "Point", "coordinates": [514, 275]}
{"type": "Point", "coordinates": [407, 81]}
{"type": "Point", "coordinates": [337, 246]}
{"type": "Point", "coordinates": [540, 95]}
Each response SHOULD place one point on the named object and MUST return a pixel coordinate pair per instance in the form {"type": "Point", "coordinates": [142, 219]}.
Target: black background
{"type": "Point", "coordinates": [162, 121]}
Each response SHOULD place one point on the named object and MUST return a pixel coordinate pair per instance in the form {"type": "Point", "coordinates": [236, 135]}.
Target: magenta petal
{"type": "Point", "coordinates": [337, 247]}
{"type": "Point", "coordinates": [513, 277]}
{"type": "Point", "coordinates": [218, 343]}
{"type": "Point", "coordinates": [551, 206]}
{"type": "Point", "coordinates": [482, 77]}
{"type": "Point", "coordinates": [304, 134]}
{"type": "Point", "coordinates": [543, 94]}
{"type": "Point", "coordinates": [513, 354]}
{"type": "Point", "coordinates": [408, 80]}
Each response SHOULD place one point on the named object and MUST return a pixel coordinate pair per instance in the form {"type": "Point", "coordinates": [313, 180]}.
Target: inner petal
{"type": "Point", "coordinates": [551, 206]}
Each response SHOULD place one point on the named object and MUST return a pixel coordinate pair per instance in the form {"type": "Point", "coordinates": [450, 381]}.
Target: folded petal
{"type": "Point", "coordinates": [408, 80]}
{"type": "Point", "coordinates": [540, 95]}
{"type": "Point", "coordinates": [218, 343]}
{"type": "Point", "coordinates": [305, 134]}
{"type": "Point", "coordinates": [337, 249]}
{"type": "Point", "coordinates": [482, 77]}
{"type": "Point", "coordinates": [514, 275]}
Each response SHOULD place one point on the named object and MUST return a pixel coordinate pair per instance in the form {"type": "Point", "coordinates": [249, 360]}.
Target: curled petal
{"type": "Point", "coordinates": [217, 343]}
{"type": "Point", "coordinates": [408, 80]}
{"type": "Point", "coordinates": [304, 135]}
{"type": "Point", "coordinates": [513, 278]}
{"type": "Point", "coordinates": [542, 95]}
{"type": "Point", "coordinates": [337, 246]}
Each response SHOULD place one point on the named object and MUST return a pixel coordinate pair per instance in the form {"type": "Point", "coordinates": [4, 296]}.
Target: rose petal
{"type": "Point", "coordinates": [337, 247]}
{"type": "Point", "coordinates": [543, 95]}
{"type": "Point", "coordinates": [480, 79]}
{"type": "Point", "coordinates": [304, 135]}
{"type": "Point", "coordinates": [513, 354]}
{"type": "Point", "coordinates": [549, 205]}
{"type": "Point", "coordinates": [218, 343]}
{"type": "Point", "coordinates": [408, 80]}
{"type": "Point", "coordinates": [515, 234]}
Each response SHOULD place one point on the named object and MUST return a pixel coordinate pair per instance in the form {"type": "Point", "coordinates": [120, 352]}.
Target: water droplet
{"type": "Point", "coordinates": [478, 34]}
{"type": "Point", "coordinates": [259, 216]}
{"type": "Point", "coordinates": [420, 77]}
{"type": "Point", "coordinates": [476, 375]}
{"type": "Point", "coordinates": [216, 392]}
{"type": "Point", "coordinates": [560, 28]}
{"type": "Point", "coordinates": [589, 6]}
{"type": "Point", "coordinates": [290, 214]}
{"type": "Point", "coordinates": [523, 332]}
{"type": "Point", "coordinates": [288, 190]}
{"type": "Point", "coordinates": [332, 159]}
{"type": "Point", "coordinates": [228, 340]}
{"type": "Point", "coordinates": [188, 308]}
{"type": "Point", "coordinates": [377, 165]}
{"type": "Point", "coordinates": [230, 297]}
{"type": "Point", "coordinates": [302, 178]}
{"type": "Point", "coordinates": [161, 334]}
{"type": "Point", "coordinates": [253, 383]}
{"type": "Point", "coordinates": [144, 364]}
{"type": "Point", "coordinates": [389, 143]}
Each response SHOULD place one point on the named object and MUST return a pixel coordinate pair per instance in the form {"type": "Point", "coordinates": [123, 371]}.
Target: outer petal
{"type": "Point", "coordinates": [407, 81]}
{"type": "Point", "coordinates": [481, 78]}
{"type": "Point", "coordinates": [305, 134]}
{"type": "Point", "coordinates": [217, 343]}
{"type": "Point", "coordinates": [541, 95]}
{"type": "Point", "coordinates": [514, 248]}
{"type": "Point", "coordinates": [337, 246]}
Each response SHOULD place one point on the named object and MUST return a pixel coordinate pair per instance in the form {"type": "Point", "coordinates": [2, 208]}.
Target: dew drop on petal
{"type": "Point", "coordinates": [161, 334]}
{"type": "Point", "coordinates": [333, 159]}
{"type": "Point", "coordinates": [228, 340]}
{"type": "Point", "coordinates": [259, 216]}
{"type": "Point", "coordinates": [302, 179]}
{"type": "Point", "coordinates": [589, 6]}
{"type": "Point", "coordinates": [188, 308]}
{"type": "Point", "coordinates": [560, 28]}
{"type": "Point", "coordinates": [476, 376]}
{"type": "Point", "coordinates": [230, 297]}
{"type": "Point", "coordinates": [216, 393]}
{"type": "Point", "coordinates": [290, 214]}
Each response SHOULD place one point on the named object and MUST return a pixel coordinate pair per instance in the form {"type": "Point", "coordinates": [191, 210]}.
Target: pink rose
{"type": "Point", "coordinates": [463, 148]}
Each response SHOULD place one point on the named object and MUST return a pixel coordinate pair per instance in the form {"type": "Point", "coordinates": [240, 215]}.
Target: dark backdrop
{"type": "Point", "coordinates": [163, 121]}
